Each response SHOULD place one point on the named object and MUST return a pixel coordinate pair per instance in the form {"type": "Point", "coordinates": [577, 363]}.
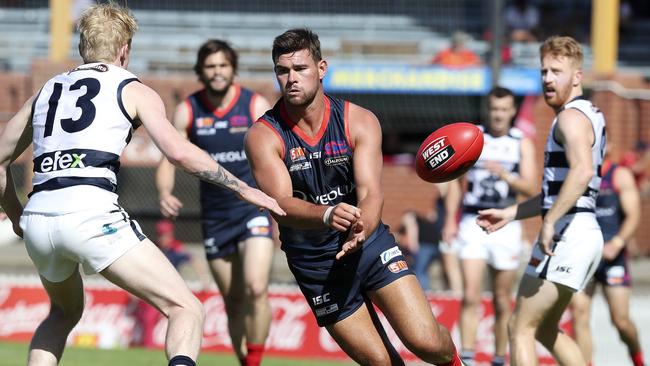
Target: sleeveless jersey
{"type": "Point", "coordinates": [608, 206]}
{"type": "Point", "coordinates": [321, 171]}
{"type": "Point", "coordinates": [556, 166]}
{"type": "Point", "coordinates": [80, 129]}
{"type": "Point", "coordinates": [221, 134]}
{"type": "Point", "coordinates": [484, 189]}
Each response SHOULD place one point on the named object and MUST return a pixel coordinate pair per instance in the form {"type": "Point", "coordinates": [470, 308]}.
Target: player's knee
{"type": "Point", "coordinates": [378, 357]}
{"type": "Point", "coordinates": [437, 348]}
{"type": "Point", "coordinates": [502, 303]}
{"type": "Point", "coordinates": [257, 289]}
{"type": "Point", "coordinates": [192, 305]}
{"type": "Point", "coordinates": [620, 322]}
{"type": "Point", "coordinates": [69, 315]}
{"type": "Point", "coordinates": [471, 299]}
{"type": "Point", "coordinates": [435, 353]}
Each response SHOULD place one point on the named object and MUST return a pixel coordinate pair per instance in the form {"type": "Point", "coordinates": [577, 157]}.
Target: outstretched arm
{"type": "Point", "coordinates": [494, 219]}
{"type": "Point", "coordinates": [145, 104]}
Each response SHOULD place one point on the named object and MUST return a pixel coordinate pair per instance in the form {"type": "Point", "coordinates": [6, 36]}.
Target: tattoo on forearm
{"type": "Point", "coordinates": [220, 178]}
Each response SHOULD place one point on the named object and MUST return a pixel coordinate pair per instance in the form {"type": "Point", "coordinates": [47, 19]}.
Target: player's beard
{"type": "Point", "coordinates": [303, 99]}
{"type": "Point", "coordinates": [218, 92]}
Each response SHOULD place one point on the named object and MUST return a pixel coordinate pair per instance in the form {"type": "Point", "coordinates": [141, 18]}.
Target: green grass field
{"type": "Point", "coordinates": [15, 354]}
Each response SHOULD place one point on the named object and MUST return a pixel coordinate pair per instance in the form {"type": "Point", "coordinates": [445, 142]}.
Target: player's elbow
{"type": "Point", "coordinates": [585, 174]}
{"type": "Point", "coordinates": [178, 155]}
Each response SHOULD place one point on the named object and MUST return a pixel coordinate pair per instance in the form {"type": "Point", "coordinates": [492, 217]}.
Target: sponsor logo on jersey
{"type": "Point", "coordinates": [337, 160]}
{"type": "Point", "coordinates": [59, 160]}
{"type": "Point", "coordinates": [389, 254]}
{"type": "Point", "coordinates": [238, 129]}
{"type": "Point", "coordinates": [229, 156]}
{"type": "Point", "coordinates": [438, 152]}
{"type": "Point", "coordinates": [331, 197]}
{"type": "Point", "coordinates": [204, 122]}
{"type": "Point", "coordinates": [297, 153]}
{"type": "Point", "coordinates": [336, 148]}
{"type": "Point", "coordinates": [300, 166]}
{"type": "Point", "coordinates": [239, 121]}
{"type": "Point", "coordinates": [398, 266]}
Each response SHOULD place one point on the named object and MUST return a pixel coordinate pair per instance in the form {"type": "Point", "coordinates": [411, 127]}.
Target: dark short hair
{"type": "Point", "coordinates": [213, 46]}
{"type": "Point", "coordinates": [295, 40]}
{"type": "Point", "coordinates": [501, 92]}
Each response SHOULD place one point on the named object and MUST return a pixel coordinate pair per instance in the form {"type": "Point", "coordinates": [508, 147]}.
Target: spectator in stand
{"type": "Point", "coordinates": [426, 238]}
{"type": "Point", "coordinates": [521, 19]}
{"type": "Point", "coordinates": [457, 55]}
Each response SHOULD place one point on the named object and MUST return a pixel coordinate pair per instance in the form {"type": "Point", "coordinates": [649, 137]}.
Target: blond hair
{"type": "Point", "coordinates": [103, 29]}
{"type": "Point", "coordinates": [563, 46]}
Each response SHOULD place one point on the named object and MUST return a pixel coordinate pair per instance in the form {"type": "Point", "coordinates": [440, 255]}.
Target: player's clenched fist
{"type": "Point", "coordinates": [342, 216]}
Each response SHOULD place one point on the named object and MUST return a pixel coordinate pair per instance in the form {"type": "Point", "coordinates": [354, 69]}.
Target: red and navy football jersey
{"type": "Point", "coordinates": [321, 170]}
{"type": "Point", "coordinates": [221, 133]}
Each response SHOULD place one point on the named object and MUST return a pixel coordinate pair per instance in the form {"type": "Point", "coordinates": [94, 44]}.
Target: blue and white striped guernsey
{"type": "Point", "coordinates": [556, 166]}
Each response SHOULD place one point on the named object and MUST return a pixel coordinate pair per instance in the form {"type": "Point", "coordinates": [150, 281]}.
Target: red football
{"type": "Point", "coordinates": [449, 152]}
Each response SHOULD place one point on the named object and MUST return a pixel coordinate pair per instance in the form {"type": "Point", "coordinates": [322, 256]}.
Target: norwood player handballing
{"type": "Point", "coordinates": [79, 123]}
{"type": "Point", "coordinates": [320, 157]}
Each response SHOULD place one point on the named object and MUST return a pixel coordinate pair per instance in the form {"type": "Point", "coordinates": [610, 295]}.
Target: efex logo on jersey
{"type": "Point", "coordinates": [59, 160]}
{"type": "Point", "coordinates": [75, 158]}
{"type": "Point", "coordinates": [437, 152]}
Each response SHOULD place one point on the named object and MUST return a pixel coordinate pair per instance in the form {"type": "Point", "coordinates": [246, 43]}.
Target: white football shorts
{"type": "Point", "coordinates": [57, 243]}
{"type": "Point", "coordinates": [501, 249]}
{"type": "Point", "coordinates": [578, 248]}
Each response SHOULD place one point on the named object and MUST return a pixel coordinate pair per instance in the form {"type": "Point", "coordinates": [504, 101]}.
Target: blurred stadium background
{"type": "Point", "coordinates": [380, 54]}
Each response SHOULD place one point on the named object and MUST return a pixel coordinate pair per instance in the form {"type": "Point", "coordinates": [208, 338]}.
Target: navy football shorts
{"type": "Point", "coordinates": [614, 272]}
{"type": "Point", "coordinates": [221, 237]}
{"type": "Point", "coordinates": [335, 291]}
